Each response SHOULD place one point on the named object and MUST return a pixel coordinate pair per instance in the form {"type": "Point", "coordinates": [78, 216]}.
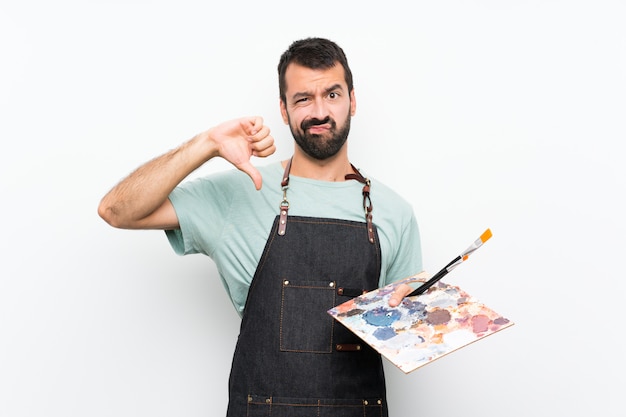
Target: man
{"type": "Point", "coordinates": [304, 239]}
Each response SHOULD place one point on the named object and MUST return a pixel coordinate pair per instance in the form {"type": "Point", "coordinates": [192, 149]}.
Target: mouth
{"type": "Point", "coordinates": [317, 126]}
{"type": "Point", "coordinates": [319, 129]}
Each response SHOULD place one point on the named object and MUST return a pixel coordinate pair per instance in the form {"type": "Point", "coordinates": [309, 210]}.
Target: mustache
{"type": "Point", "coordinates": [314, 122]}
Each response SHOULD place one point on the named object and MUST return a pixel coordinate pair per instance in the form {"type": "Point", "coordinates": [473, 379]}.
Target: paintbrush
{"type": "Point", "coordinates": [453, 264]}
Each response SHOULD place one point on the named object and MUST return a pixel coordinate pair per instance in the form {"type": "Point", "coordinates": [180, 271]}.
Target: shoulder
{"type": "Point", "coordinates": [387, 196]}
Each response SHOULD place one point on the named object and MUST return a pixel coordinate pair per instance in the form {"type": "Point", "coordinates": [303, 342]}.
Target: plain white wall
{"type": "Point", "coordinates": [500, 114]}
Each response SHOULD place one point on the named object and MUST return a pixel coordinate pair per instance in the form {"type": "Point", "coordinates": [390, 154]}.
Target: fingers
{"type": "Point", "coordinates": [258, 131]}
{"type": "Point", "coordinates": [254, 124]}
{"type": "Point", "coordinates": [239, 139]}
{"type": "Point", "coordinates": [262, 143]}
{"type": "Point", "coordinates": [264, 147]}
{"type": "Point", "coordinates": [398, 295]}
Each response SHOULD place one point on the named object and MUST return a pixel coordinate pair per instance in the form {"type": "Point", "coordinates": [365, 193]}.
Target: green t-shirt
{"type": "Point", "coordinates": [223, 216]}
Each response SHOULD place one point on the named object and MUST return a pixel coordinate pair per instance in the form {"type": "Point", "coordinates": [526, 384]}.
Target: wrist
{"type": "Point", "coordinates": [203, 145]}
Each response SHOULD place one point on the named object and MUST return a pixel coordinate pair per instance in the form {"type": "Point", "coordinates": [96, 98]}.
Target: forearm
{"type": "Point", "coordinates": [140, 200]}
{"type": "Point", "coordinates": [132, 201]}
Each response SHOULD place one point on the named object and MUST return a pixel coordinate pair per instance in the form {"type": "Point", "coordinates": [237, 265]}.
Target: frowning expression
{"type": "Point", "coordinates": [318, 109]}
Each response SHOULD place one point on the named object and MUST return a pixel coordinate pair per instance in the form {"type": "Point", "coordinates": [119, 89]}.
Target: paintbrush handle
{"type": "Point", "coordinates": [453, 264]}
{"type": "Point", "coordinates": [425, 286]}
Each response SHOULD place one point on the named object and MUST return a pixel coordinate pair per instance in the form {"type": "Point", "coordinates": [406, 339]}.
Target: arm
{"type": "Point", "coordinates": [140, 201]}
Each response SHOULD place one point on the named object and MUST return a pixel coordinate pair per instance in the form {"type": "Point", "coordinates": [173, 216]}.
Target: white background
{"type": "Point", "coordinates": [500, 114]}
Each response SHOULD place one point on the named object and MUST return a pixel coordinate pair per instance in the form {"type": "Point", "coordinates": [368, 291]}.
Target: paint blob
{"type": "Point", "coordinates": [422, 328]}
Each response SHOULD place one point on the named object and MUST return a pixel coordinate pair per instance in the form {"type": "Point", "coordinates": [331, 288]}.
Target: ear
{"type": "Point", "coordinates": [352, 103]}
{"type": "Point", "coordinates": [283, 112]}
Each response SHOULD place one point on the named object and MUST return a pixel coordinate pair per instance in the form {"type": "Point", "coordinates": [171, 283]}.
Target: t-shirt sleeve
{"type": "Point", "coordinates": [175, 237]}
{"type": "Point", "coordinates": [202, 207]}
{"type": "Point", "coordinates": [408, 259]}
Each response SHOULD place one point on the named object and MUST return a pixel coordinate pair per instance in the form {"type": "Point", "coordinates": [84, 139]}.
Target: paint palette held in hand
{"type": "Point", "coordinates": [422, 328]}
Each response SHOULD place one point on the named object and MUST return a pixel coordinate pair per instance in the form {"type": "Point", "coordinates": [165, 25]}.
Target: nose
{"type": "Point", "coordinates": [319, 110]}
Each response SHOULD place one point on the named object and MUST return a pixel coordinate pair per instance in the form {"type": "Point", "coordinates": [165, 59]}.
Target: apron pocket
{"type": "Point", "coordinates": [305, 325]}
{"type": "Point", "coordinates": [308, 407]}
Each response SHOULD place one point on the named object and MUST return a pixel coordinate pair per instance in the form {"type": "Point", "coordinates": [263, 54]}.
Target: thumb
{"type": "Point", "coordinates": [398, 295]}
{"type": "Point", "coordinates": [253, 173]}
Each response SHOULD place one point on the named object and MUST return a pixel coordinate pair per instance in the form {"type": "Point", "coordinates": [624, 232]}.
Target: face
{"type": "Point", "coordinates": [318, 109]}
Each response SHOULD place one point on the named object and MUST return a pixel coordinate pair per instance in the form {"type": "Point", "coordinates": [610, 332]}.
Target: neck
{"type": "Point", "coordinates": [331, 169]}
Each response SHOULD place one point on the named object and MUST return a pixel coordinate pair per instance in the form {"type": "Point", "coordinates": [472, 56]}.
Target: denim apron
{"type": "Point", "coordinates": [292, 358]}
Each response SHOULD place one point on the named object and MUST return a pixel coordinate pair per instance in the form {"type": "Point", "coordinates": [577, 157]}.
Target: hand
{"type": "Point", "coordinates": [239, 139]}
{"type": "Point", "coordinates": [398, 295]}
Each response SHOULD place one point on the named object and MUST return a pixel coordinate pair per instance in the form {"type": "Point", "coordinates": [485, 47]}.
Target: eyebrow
{"type": "Point", "coordinates": [332, 88]}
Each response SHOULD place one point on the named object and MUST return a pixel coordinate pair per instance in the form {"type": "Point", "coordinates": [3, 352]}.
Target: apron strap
{"type": "Point", "coordinates": [367, 201]}
{"type": "Point", "coordinates": [284, 205]}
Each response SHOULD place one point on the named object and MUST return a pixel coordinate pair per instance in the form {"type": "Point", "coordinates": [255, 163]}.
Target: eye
{"type": "Point", "coordinates": [333, 95]}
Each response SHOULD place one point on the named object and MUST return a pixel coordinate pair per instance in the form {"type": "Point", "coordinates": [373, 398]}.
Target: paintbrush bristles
{"type": "Point", "coordinates": [485, 236]}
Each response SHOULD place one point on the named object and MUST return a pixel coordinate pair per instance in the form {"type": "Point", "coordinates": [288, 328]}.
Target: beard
{"type": "Point", "coordinates": [320, 147]}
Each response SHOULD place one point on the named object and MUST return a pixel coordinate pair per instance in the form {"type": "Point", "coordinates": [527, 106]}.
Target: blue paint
{"type": "Point", "coordinates": [384, 333]}
{"type": "Point", "coordinates": [381, 316]}
{"type": "Point", "coordinates": [414, 308]}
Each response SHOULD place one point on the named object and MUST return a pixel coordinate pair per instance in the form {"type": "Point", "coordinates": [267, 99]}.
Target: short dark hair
{"type": "Point", "coordinates": [314, 53]}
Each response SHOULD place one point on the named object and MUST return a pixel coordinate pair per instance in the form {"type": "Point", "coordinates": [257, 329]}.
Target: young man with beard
{"type": "Point", "coordinates": [287, 251]}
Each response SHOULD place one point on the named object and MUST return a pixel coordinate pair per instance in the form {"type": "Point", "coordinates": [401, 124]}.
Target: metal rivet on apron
{"type": "Point", "coordinates": [365, 402]}
{"type": "Point", "coordinates": [331, 284]}
{"type": "Point", "coordinates": [249, 398]}
{"type": "Point", "coordinates": [268, 400]}
{"type": "Point", "coordinates": [379, 402]}
{"type": "Point", "coordinates": [285, 282]}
